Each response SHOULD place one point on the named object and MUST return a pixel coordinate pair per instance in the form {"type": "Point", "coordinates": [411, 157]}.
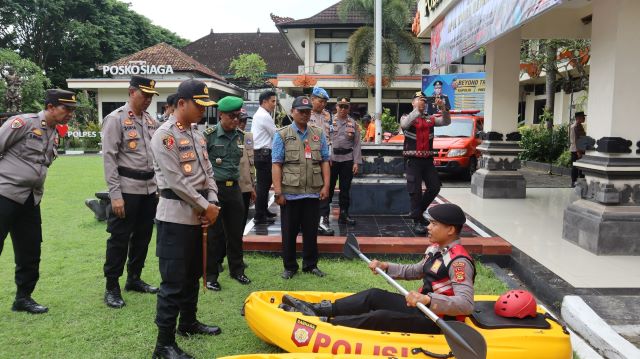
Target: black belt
{"type": "Point", "coordinates": [226, 183]}
{"type": "Point", "coordinates": [266, 151]}
{"type": "Point", "coordinates": [135, 174]}
{"type": "Point", "coordinates": [342, 151]}
{"type": "Point", "coordinates": [169, 194]}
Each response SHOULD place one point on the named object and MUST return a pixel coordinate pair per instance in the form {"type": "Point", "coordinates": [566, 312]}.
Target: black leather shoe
{"type": "Point", "coordinates": [28, 305]}
{"type": "Point", "coordinates": [345, 219]}
{"type": "Point", "coordinates": [271, 214]}
{"type": "Point", "coordinates": [299, 305]}
{"type": "Point", "coordinates": [419, 228]}
{"type": "Point", "coordinates": [215, 286]}
{"type": "Point", "coordinates": [198, 328]}
{"type": "Point", "coordinates": [288, 274]}
{"type": "Point", "coordinates": [323, 227]}
{"type": "Point", "coordinates": [264, 221]}
{"type": "Point", "coordinates": [113, 298]}
{"type": "Point", "coordinates": [315, 271]}
{"type": "Point", "coordinates": [170, 352]}
{"type": "Point", "coordinates": [140, 286]}
{"type": "Point", "coordinates": [243, 279]}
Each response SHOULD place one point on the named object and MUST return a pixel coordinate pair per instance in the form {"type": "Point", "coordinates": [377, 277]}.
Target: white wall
{"type": "Point", "coordinates": [564, 108]}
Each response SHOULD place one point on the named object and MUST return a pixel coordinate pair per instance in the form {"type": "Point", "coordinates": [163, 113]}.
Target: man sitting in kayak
{"type": "Point", "coordinates": [447, 272]}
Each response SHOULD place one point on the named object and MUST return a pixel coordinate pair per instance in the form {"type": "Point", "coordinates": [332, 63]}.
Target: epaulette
{"type": "Point", "coordinates": [242, 132]}
{"type": "Point", "coordinates": [209, 130]}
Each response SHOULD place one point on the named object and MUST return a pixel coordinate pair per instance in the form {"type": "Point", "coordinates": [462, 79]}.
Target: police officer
{"type": "Point", "coordinates": [447, 272]}
{"type": "Point", "coordinates": [345, 160]}
{"type": "Point", "coordinates": [128, 170]}
{"type": "Point", "coordinates": [418, 156]}
{"type": "Point", "coordinates": [437, 95]}
{"type": "Point", "coordinates": [300, 178]}
{"type": "Point", "coordinates": [28, 145]}
{"type": "Point", "coordinates": [225, 144]}
{"type": "Point", "coordinates": [322, 119]}
{"type": "Point", "coordinates": [188, 202]}
{"type": "Point", "coordinates": [169, 107]}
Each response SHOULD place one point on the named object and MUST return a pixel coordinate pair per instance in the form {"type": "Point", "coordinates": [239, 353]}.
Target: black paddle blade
{"type": "Point", "coordinates": [464, 341]}
{"type": "Point", "coordinates": [351, 247]}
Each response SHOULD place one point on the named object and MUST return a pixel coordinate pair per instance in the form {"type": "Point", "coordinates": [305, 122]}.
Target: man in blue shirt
{"type": "Point", "coordinates": [300, 156]}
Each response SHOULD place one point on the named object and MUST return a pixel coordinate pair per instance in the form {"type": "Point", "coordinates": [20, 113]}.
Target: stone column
{"type": "Point", "coordinates": [497, 175]}
{"type": "Point", "coordinates": [606, 218]}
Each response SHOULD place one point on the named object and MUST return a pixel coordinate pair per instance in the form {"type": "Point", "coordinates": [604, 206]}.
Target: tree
{"type": "Point", "coordinates": [34, 82]}
{"type": "Point", "coordinates": [562, 60]}
{"type": "Point", "coordinates": [249, 66]}
{"type": "Point", "coordinates": [395, 38]}
{"type": "Point", "coordinates": [70, 38]}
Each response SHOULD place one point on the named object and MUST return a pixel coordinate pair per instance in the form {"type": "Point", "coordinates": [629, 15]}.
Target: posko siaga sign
{"type": "Point", "coordinates": [137, 69]}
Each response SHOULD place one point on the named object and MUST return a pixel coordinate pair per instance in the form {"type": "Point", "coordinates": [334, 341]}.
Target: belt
{"type": "Point", "coordinates": [226, 183]}
{"type": "Point", "coordinates": [421, 154]}
{"type": "Point", "coordinates": [135, 174]}
{"type": "Point", "coordinates": [169, 194]}
{"type": "Point", "coordinates": [263, 150]}
{"type": "Point", "coordinates": [342, 151]}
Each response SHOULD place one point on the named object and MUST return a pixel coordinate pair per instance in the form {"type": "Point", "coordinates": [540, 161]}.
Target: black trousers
{"type": "Point", "coordinates": [130, 235]}
{"type": "Point", "coordinates": [246, 201]}
{"type": "Point", "coordinates": [24, 223]}
{"type": "Point", "coordinates": [575, 171]}
{"type": "Point", "coordinates": [344, 172]}
{"type": "Point", "coordinates": [421, 170]}
{"type": "Point", "coordinates": [225, 236]}
{"type": "Point", "coordinates": [263, 184]}
{"type": "Point", "coordinates": [179, 251]}
{"type": "Point", "coordinates": [377, 309]}
{"type": "Point", "coordinates": [297, 214]}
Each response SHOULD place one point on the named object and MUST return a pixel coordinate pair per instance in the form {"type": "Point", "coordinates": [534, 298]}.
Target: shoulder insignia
{"type": "Point", "coordinates": [17, 123]}
{"type": "Point", "coordinates": [209, 130]}
{"type": "Point", "coordinates": [168, 142]}
{"type": "Point", "coordinates": [458, 271]}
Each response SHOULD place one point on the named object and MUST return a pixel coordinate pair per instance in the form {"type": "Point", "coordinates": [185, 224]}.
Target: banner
{"type": "Point", "coordinates": [473, 23]}
{"type": "Point", "coordinates": [463, 91]}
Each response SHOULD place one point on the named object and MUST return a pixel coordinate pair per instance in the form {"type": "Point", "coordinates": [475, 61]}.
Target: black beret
{"type": "Point", "coordinates": [447, 213]}
{"type": "Point", "coordinates": [144, 84]}
{"type": "Point", "coordinates": [61, 97]}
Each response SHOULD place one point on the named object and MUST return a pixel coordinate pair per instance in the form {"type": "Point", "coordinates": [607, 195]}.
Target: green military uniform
{"type": "Point", "coordinates": [225, 151]}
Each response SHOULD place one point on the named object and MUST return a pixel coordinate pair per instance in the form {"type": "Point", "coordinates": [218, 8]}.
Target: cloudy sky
{"type": "Point", "coordinates": [193, 19]}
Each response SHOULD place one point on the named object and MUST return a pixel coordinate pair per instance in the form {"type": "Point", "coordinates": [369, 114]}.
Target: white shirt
{"type": "Point", "coordinates": [263, 129]}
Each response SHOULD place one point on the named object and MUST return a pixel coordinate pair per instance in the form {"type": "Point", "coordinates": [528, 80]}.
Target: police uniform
{"type": "Point", "coordinates": [418, 156]}
{"type": "Point", "coordinates": [225, 151]}
{"type": "Point", "coordinates": [187, 188]}
{"type": "Point", "coordinates": [431, 100]}
{"type": "Point", "coordinates": [300, 153]}
{"type": "Point", "coordinates": [447, 274]}
{"type": "Point", "coordinates": [28, 146]}
{"type": "Point", "coordinates": [345, 143]}
{"type": "Point", "coordinates": [128, 171]}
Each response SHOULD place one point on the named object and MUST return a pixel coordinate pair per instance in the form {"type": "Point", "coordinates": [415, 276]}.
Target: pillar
{"type": "Point", "coordinates": [606, 218]}
{"type": "Point", "coordinates": [497, 175]}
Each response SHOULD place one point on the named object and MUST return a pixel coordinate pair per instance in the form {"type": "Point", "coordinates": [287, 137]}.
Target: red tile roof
{"type": "Point", "coordinates": [165, 54]}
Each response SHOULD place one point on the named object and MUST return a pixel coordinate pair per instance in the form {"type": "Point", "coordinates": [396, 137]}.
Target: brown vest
{"type": "Point", "coordinates": [301, 175]}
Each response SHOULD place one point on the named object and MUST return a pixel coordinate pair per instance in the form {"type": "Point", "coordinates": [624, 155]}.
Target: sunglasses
{"type": "Point", "coordinates": [234, 115]}
{"type": "Point", "coordinates": [344, 107]}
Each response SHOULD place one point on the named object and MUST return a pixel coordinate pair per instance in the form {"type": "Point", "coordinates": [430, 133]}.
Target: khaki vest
{"type": "Point", "coordinates": [300, 175]}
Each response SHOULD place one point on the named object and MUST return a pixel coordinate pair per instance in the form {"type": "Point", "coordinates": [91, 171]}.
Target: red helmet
{"type": "Point", "coordinates": [516, 304]}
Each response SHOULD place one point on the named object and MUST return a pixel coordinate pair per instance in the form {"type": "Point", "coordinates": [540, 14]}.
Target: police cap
{"type": "Point", "coordinates": [230, 104]}
{"type": "Point", "coordinates": [447, 213]}
{"type": "Point", "coordinates": [343, 101]}
{"type": "Point", "coordinates": [420, 95]}
{"type": "Point", "coordinates": [194, 90]}
{"type": "Point", "coordinates": [437, 82]}
{"type": "Point", "coordinates": [143, 84]}
{"type": "Point", "coordinates": [301, 103]}
{"type": "Point", "coordinates": [58, 97]}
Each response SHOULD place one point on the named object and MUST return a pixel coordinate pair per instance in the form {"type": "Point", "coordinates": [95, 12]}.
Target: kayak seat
{"type": "Point", "coordinates": [485, 317]}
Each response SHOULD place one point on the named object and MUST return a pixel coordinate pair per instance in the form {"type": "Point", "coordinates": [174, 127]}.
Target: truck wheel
{"type": "Point", "coordinates": [473, 166]}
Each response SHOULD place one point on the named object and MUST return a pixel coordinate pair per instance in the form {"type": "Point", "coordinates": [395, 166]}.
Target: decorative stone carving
{"type": "Point", "coordinates": [607, 193]}
{"type": "Point", "coordinates": [491, 136]}
{"type": "Point", "coordinates": [499, 163]}
{"type": "Point", "coordinates": [514, 136]}
{"type": "Point", "coordinates": [13, 96]}
{"type": "Point", "coordinates": [614, 145]}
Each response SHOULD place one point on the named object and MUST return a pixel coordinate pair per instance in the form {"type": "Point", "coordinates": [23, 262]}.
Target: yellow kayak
{"type": "Point", "coordinates": [305, 356]}
{"type": "Point", "coordinates": [531, 338]}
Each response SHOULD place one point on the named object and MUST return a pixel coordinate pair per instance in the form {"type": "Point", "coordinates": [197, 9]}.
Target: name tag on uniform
{"type": "Point", "coordinates": [436, 265]}
{"type": "Point", "coordinates": [307, 151]}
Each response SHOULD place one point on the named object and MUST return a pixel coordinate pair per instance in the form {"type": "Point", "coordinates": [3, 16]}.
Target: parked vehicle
{"type": "Point", "coordinates": [456, 143]}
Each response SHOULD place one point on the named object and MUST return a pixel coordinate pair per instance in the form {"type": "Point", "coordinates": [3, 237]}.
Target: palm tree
{"type": "Point", "coordinates": [395, 36]}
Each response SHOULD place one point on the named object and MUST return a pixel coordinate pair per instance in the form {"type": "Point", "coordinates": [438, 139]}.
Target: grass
{"type": "Point", "coordinates": [79, 325]}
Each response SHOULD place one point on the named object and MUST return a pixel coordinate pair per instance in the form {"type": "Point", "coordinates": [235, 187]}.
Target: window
{"type": "Point", "coordinates": [108, 107]}
{"type": "Point", "coordinates": [474, 59]}
{"type": "Point", "coordinates": [405, 56]}
{"type": "Point", "coordinates": [333, 34]}
{"type": "Point", "coordinates": [457, 128]}
{"type": "Point", "coordinates": [335, 52]}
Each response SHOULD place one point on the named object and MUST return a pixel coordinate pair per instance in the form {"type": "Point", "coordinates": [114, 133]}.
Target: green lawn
{"type": "Point", "coordinates": [79, 325]}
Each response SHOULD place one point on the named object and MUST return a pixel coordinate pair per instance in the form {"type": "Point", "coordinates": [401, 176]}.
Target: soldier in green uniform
{"type": "Point", "coordinates": [225, 144]}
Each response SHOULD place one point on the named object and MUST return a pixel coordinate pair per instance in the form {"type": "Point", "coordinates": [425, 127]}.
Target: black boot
{"type": "Point", "coordinates": [345, 219]}
{"type": "Point", "coordinates": [135, 284]}
{"type": "Point", "coordinates": [27, 304]}
{"type": "Point", "coordinates": [171, 351]}
{"type": "Point", "coordinates": [198, 328]}
{"type": "Point", "coordinates": [322, 309]}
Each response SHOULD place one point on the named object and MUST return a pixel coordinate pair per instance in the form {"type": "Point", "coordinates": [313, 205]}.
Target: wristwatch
{"type": "Point", "coordinates": [276, 195]}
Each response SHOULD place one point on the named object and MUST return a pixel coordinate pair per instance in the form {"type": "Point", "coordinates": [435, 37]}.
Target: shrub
{"type": "Point", "coordinates": [389, 122]}
{"type": "Point", "coordinates": [564, 160]}
{"type": "Point", "coordinates": [541, 144]}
